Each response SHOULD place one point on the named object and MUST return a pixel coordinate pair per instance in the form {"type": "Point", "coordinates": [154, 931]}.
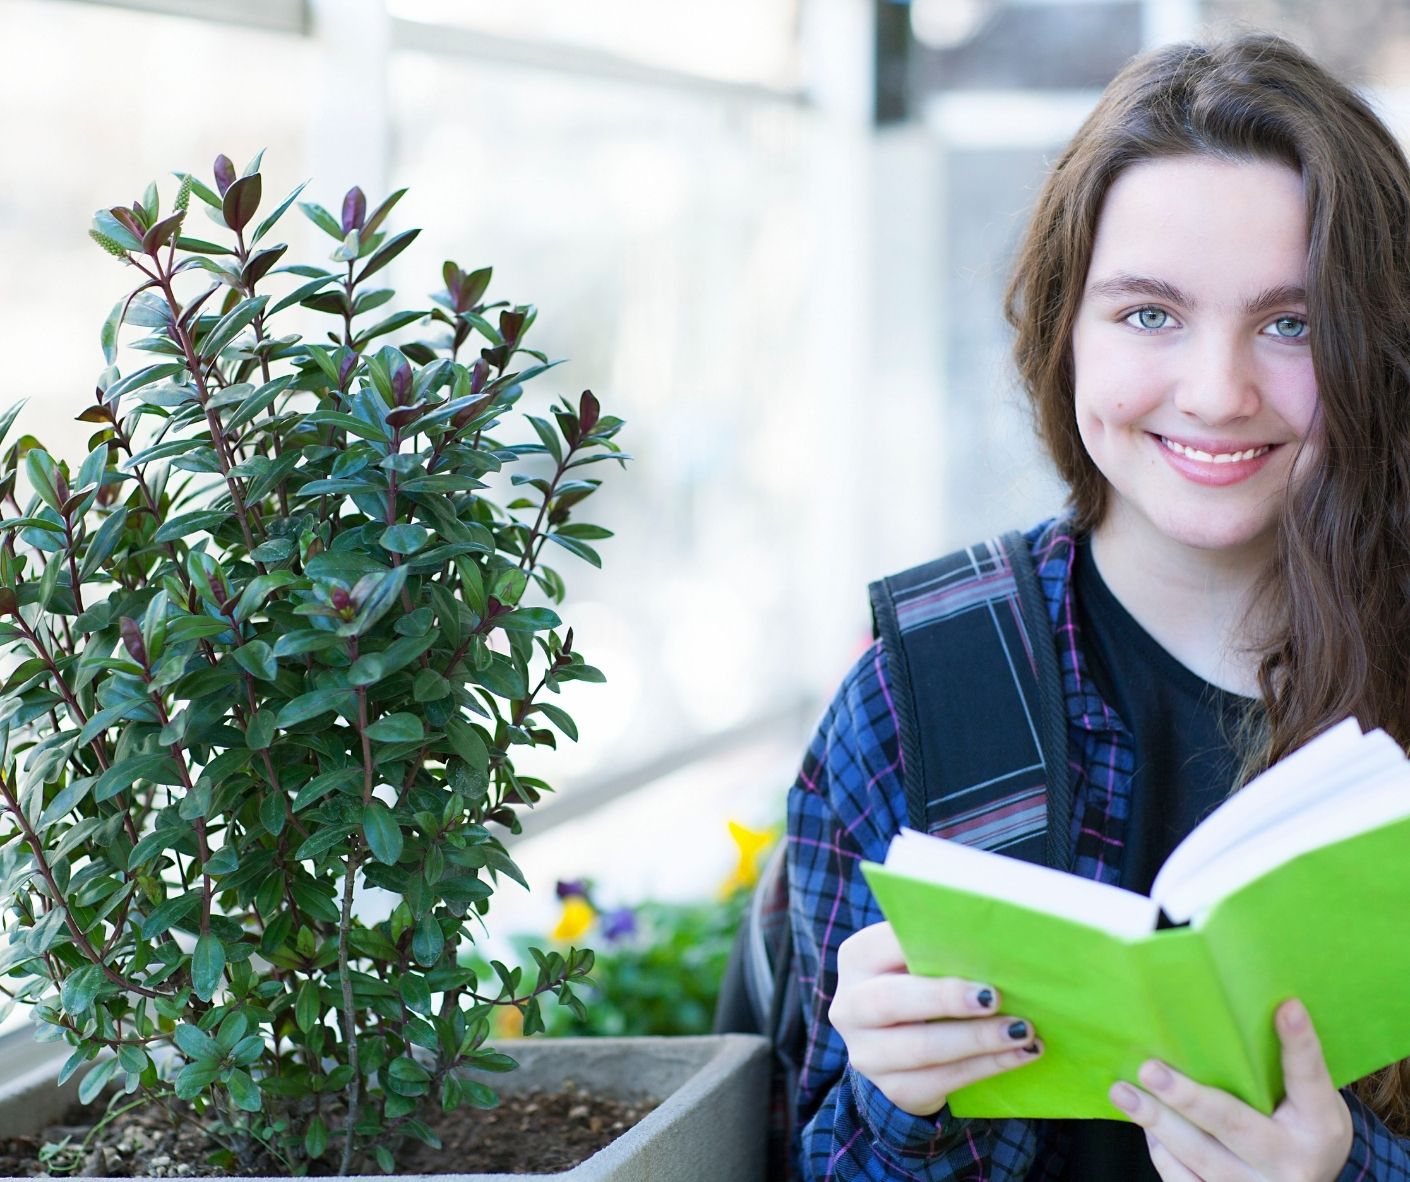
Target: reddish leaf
{"type": "Point", "coordinates": [588, 411]}
{"type": "Point", "coordinates": [354, 210]}
{"type": "Point", "coordinates": [132, 640]}
{"type": "Point", "coordinates": [224, 173]}
{"type": "Point", "coordinates": [241, 201]}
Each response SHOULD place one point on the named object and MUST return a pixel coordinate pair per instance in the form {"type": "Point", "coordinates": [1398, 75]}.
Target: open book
{"type": "Point", "coordinates": [1296, 886]}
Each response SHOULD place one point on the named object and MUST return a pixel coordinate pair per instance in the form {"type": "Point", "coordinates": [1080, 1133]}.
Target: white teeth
{"type": "Point", "coordinates": [1221, 458]}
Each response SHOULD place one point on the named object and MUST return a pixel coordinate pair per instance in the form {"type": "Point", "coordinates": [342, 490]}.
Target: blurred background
{"type": "Point", "coordinates": [771, 234]}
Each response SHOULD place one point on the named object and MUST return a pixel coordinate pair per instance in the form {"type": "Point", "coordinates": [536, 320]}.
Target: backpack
{"type": "Point", "coordinates": [980, 608]}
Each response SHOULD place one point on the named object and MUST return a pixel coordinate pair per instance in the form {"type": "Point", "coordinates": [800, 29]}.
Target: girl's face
{"type": "Point", "coordinates": [1194, 382]}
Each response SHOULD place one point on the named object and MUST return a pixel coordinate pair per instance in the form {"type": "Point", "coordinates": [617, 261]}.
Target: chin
{"type": "Point", "coordinates": [1207, 532]}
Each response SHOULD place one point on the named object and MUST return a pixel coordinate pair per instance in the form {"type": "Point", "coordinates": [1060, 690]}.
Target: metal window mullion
{"type": "Point", "coordinates": [286, 16]}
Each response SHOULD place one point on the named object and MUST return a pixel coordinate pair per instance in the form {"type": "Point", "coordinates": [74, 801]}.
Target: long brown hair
{"type": "Point", "coordinates": [1338, 591]}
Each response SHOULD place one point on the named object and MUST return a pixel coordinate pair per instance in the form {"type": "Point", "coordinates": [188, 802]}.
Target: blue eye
{"type": "Point", "coordinates": [1289, 328]}
{"type": "Point", "coordinates": [1149, 319]}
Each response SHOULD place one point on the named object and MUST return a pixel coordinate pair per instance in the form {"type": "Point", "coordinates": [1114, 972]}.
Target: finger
{"type": "Point", "coordinates": [1190, 1145]}
{"type": "Point", "coordinates": [926, 1044]}
{"type": "Point", "coordinates": [891, 999]}
{"type": "Point", "coordinates": [1305, 1076]}
{"type": "Point", "coordinates": [923, 1091]}
{"type": "Point", "coordinates": [1244, 1130]}
{"type": "Point", "coordinates": [1166, 1164]}
{"type": "Point", "coordinates": [871, 950]}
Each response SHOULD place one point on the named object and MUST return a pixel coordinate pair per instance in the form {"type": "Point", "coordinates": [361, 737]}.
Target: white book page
{"type": "Point", "coordinates": [1381, 800]}
{"type": "Point", "coordinates": [949, 863]}
{"type": "Point", "coordinates": [1339, 761]}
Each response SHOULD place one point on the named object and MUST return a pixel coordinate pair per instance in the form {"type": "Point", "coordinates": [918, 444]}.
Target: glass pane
{"type": "Point", "coordinates": [132, 97]}
{"type": "Point", "coordinates": [666, 239]}
{"type": "Point", "coordinates": [737, 40]}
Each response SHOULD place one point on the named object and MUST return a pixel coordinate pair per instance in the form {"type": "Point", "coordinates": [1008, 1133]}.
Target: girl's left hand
{"type": "Point", "coordinates": [1202, 1134]}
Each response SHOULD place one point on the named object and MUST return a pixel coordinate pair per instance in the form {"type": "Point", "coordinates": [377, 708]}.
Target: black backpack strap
{"type": "Point", "coordinates": [970, 656]}
{"type": "Point", "coordinates": [1052, 701]}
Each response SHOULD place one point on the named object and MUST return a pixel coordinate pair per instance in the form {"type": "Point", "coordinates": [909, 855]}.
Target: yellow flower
{"type": "Point", "coordinates": [753, 844]}
{"type": "Point", "coordinates": [508, 1022]}
{"type": "Point", "coordinates": [573, 924]}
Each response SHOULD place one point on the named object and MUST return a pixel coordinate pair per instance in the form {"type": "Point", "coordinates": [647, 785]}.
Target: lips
{"type": "Point", "coordinates": [1215, 452]}
{"type": "Point", "coordinates": [1214, 462]}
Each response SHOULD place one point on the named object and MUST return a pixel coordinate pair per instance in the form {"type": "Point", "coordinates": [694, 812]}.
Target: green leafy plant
{"type": "Point", "coordinates": [657, 970]}
{"type": "Point", "coordinates": [273, 641]}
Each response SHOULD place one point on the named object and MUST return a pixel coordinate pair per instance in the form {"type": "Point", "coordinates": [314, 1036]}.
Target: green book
{"type": "Point", "coordinates": [1296, 886]}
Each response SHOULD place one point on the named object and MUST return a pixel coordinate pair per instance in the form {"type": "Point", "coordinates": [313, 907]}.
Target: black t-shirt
{"type": "Point", "coordinates": [1181, 727]}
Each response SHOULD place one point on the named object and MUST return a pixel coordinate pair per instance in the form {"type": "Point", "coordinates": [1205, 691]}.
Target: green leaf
{"type": "Point", "coordinates": [390, 324]}
{"type": "Point", "coordinates": [367, 670]}
{"type": "Point", "coordinates": [316, 1138]}
{"type": "Point", "coordinates": [187, 524]}
{"type": "Point", "coordinates": [573, 546]}
{"type": "Point", "coordinates": [66, 799]}
{"type": "Point", "coordinates": [268, 223]}
{"type": "Point", "coordinates": [243, 1092]}
{"type": "Point", "coordinates": [99, 722]}
{"type": "Point", "coordinates": [429, 686]}
{"type": "Point", "coordinates": [397, 728]}
{"type": "Point", "coordinates": [195, 1043]}
{"type": "Point", "coordinates": [530, 619]}
{"type": "Point", "coordinates": [293, 644]}
{"type": "Point", "coordinates": [321, 218]}
{"type": "Point", "coordinates": [478, 1095]}
{"type": "Point", "coordinates": [108, 336]}
{"type": "Point", "coordinates": [231, 324]}
{"type": "Point", "coordinates": [104, 542]}
{"type": "Point", "coordinates": [386, 253]}
{"type": "Point", "coordinates": [549, 437]}
{"type": "Point", "coordinates": [207, 966]}
{"type": "Point", "coordinates": [81, 987]}
{"type": "Point", "coordinates": [312, 705]}
{"type": "Point", "coordinates": [41, 469]}
{"type": "Point", "coordinates": [257, 659]}
{"type": "Point", "coordinates": [559, 717]}
{"type": "Point", "coordinates": [382, 832]}
{"type": "Point", "coordinates": [157, 768]}
{"type": "Point", "coordinates": [466, 741]}
{"type": "Point", "coordinates": [271, 811]}
{"type": "Point", "coordinates": [416, 993]}
{"type": "Point", "coordinates": [406, 538]}
{"type": "Point", "coordinates": [201, 246]}
{"type": "Point", "coordinates": [407, 1070]}
{"type": "Point", "coordinates": [377, 593]}
{"type": "Point", "coordinates": [96, 1080]}
{"type": "Point", "coordinates": [302, 292]}
{"type": "Point", "coordinates": [428, 941]}
{"type": "Point", "coordinates": [307, 1008]}
{"type": "Point", "coordinates": [324, 838]}
{"type": "Point", "coordinates": [173, 911]}
{"type": "Point", "coordinates": [259, 732]}
{"type": "Point", "coordinates": [348, 423]}
{"type": "Point", "coordinates": [319, 786]}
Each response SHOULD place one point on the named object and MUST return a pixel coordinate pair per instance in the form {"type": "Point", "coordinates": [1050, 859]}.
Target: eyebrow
{"type": "Point", "coordinates": [1123, 284]}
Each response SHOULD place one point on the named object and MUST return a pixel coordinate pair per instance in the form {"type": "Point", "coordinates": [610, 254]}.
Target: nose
{"type": "Point", "coordinates": [1220, 383]}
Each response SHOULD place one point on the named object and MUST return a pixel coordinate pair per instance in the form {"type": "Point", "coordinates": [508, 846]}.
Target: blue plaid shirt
{"type": "Point", "coordinates": [846, 805]}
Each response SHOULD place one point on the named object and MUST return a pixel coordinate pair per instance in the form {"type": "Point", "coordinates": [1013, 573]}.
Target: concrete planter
{"type": "Point", "coordinates": [709, 1127]}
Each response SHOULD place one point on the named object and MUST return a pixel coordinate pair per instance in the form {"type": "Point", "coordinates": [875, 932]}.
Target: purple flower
{"type": "Point", "coordinates": [618, 925]}
{"type": "Point", "coordinates": [576, 889]}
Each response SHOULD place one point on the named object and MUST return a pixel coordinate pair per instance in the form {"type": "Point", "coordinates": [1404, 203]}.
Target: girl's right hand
{"type": "Point", "coordinates": [919, 1038]}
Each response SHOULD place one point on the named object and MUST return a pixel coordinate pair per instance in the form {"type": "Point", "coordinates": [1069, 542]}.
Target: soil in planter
{"type": "Point", "coordinates": [535, 1132]}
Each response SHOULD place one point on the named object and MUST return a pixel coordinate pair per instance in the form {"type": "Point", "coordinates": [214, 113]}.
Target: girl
{"type": "Point", "coordinates": [1212, 308]}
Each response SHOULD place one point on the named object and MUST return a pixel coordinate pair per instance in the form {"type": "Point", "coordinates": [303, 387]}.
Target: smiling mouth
{"type": "Point", "coordinates": [1225, 457]}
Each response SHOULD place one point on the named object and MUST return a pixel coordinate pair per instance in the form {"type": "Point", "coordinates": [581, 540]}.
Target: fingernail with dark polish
{"type": "Point", "coordinates": [1018, 1030]}
{"type": "Point", "coordinates": [985, 998]}
{"type": "Point", "coordinates": [1033, 1048]}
